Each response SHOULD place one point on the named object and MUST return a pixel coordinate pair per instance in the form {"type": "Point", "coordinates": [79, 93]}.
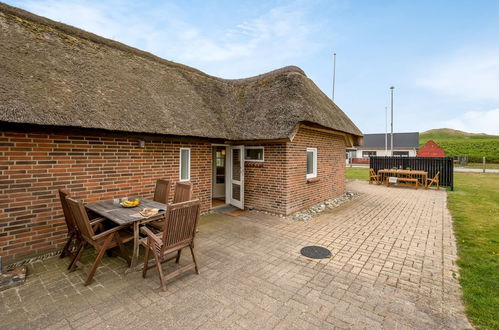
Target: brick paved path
{"type": "Point", "coordinates": [392, 266]}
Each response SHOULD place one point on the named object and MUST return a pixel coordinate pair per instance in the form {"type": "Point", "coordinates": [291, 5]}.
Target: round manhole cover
{"type": "Point", "coordinates": [315, 252]}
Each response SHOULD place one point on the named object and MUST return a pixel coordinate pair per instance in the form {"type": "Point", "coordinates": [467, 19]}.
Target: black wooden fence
{"type": "Point", "coordinates": [432, 165]}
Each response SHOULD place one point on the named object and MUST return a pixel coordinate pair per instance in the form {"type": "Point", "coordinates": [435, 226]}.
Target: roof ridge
{"type": "Point", "coordinates": [77, 32]}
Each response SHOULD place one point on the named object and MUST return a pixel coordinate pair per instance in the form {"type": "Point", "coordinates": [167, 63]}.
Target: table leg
{"type": "Point", "coordinates": [136, 245]}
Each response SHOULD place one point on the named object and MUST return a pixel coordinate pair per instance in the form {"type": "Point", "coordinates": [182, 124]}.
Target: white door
{"type": "Point", "coordinates": [236, 176]}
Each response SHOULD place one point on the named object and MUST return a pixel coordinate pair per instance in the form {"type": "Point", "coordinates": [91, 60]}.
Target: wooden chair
{"type": "Point", "coordinates": [183, 192]}
{"type": "Point", "coordinates": [162, 191]}
{"type": "Point", "coordinates": [101, 242]}
{"type": "Point", "coordinates": [433, 180]}
{"type": "Point", "coordinates": [73, 237]}
{"type": "Point", "coordinates": [180, 224]}
{"type": "Point", "coordinates": [374, 177]}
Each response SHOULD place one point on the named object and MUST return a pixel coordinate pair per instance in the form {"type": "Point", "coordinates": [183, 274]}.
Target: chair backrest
{"type": "Point", "coordinates": [80, 217]}
{"type": "Point", "coordinates": [68, 217]}
{"type": "Point", "coordinates": [181, 220]}
{"type": "Point", "coordinates": [183, 192]}
{"type": "Point", "coordinates": [162, 191]}
{"type": "Point", "coordinates": [371, 172]}
{"type": "Point", "coordinates": [436, 176]}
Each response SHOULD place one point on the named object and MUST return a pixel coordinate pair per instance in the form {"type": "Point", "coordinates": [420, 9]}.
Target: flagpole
{"type": "Point", "coordinates": [334, 73]}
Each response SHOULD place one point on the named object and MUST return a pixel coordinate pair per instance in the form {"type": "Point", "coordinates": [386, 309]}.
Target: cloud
{"type": "Point", "coordinates": [279, 36]}
{"type": "Point", "coordinates": [466, 75]}
{"type": "Point", "coordinates": [476, 122]}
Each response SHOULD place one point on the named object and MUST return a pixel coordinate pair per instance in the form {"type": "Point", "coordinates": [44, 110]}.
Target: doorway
{"type": "Point", "coordinates": [219, 156]}
{"type": "Point", "coordinates": [227, 176]}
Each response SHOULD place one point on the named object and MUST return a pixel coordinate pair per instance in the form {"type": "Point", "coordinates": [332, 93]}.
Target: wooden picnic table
{"type": "Point", "coordinates": [112, 210]}
{"type": "Point", "coordinates": [415, 174]}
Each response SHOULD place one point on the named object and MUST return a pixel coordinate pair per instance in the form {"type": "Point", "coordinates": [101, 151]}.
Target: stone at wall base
{"type": "Point", "coordinates": [12, 278]}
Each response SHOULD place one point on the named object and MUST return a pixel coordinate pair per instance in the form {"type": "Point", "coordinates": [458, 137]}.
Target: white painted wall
{"type": "Point", "coordinates": [381, 152]}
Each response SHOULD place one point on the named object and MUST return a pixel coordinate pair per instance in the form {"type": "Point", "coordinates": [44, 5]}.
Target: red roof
{"type": "Point", "coordinates": [431, 149]}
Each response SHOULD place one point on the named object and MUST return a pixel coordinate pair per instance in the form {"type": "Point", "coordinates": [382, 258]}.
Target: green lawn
{"type": "Point", "coordinates": [358, 173]}
{"type": "Point", "coordinates": [474, 205]}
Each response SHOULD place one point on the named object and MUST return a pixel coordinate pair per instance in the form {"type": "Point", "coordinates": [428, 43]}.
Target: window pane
{"type": "Point", "coordinates": [184, 164]}
{"type": "Point", "coordinates": [310, 162]}
{"type": "Point", "coordinates": [254, 154]}
{"type": "Point", "coordinates": [236, 165]}
{"type": "Point", "coordinates": [236, 191]}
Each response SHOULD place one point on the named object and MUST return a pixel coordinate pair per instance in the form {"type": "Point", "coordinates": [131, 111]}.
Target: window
{"type": "Point", "coordinates": [401, 153]}
{"type": "Point", "coordinates": [367, 154]}
{"type": "Point", "coordinates": [185, 164]}
{"type": "Point", "coordinates": [254, 154]}
{"type": "Point", "coordinates": [311, 163]}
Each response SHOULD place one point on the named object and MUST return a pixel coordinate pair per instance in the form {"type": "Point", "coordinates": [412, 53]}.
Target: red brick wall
{"type": "Point", "coordinates": [330, 182]}
{"type": "Point", "coordinates": [265, 182]}
{"type": "Point", "coordinates": [270, 186]}
{"type": "Point", "coordinates": [92, 168]}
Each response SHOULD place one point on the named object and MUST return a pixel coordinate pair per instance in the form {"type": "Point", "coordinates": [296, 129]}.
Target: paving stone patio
{"type": "Point", "coordinates": [393, 266]}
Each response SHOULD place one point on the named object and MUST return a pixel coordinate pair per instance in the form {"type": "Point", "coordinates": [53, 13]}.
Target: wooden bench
{"type": "Point", "coordinates": [409, 180]}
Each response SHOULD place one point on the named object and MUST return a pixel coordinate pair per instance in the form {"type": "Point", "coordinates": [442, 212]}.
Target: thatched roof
{"type": "Point", "coordinates": [58, 75]}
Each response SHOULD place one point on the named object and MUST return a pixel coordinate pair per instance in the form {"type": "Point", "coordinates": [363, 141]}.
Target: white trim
{"type": "Point", "coordinates": [254, 160]}
{"type": "Point", "coordinates": [240, 182]}
{"type": "Point", "coordinates": [188, 165]}
{"type": "Point", "coordinates": [314, 173]}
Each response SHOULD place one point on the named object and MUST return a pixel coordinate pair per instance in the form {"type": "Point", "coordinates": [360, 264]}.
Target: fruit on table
{"type": "Point", "coordinates": [131, 203]}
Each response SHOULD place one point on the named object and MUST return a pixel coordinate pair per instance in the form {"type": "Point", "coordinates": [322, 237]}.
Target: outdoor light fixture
{"type": "Point", "coordinates": [142, 144]}
{"type": "Point", "coordinates": [223, 152]}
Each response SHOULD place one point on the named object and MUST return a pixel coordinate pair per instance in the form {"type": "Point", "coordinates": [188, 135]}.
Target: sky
{"type": "Point", "coordinates": [442, 57]}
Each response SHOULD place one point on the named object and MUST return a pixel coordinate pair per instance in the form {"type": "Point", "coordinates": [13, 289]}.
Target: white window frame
{"type": "Point", "coordinates": [255, 160]}
{"type": "Point", "coordinates": [314, 165]}
{"type": "Point", "coordinates": [188, 166]}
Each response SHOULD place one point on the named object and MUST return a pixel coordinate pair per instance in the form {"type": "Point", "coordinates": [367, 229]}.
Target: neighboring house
{"type": "Point", "coordinates": [404, 145]}
{"type": "Point", "coordinates": [431, 149]}
{"type": "Point", "coordinates": [105, 120]}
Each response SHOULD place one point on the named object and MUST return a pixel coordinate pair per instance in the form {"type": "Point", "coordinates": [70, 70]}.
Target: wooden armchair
{"type": "Point", "coordinates": [101, 242]}
{"type": "Point", "coordinates": [180, 224]}
{"type": "Point", "coordinates": [433, 180]}
{"type": "Point", "coordinates": [73, 237]}
{"type": "Point", "coordinates": [183, 193]}
{"type": "Point", "coordinates": [374, 177]}
{"type": "Point", "coordinates": [162, 191]}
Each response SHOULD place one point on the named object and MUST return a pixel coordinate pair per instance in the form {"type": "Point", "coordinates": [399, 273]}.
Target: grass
{"type": "Point", "coordinates": [474, 205]}
{"type": "Point", "coordinates": [458, 143]}
{"type": "Point", "coordinates": [358, 173]}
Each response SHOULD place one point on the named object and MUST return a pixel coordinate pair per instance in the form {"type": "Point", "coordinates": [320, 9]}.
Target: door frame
{"type": "Point", "coordinates": [227, 172]}
{"type": "Point", "coordinates": [229, 181]}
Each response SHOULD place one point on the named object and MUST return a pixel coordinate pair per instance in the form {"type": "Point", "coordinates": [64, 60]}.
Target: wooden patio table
{"type": "Point", "coordinates": [112, 210]}
{"type": "Point", "coordinates": [385, 173]}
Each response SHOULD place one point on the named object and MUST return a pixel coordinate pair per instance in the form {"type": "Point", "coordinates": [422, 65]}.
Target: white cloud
{"type": "Point", "coordinates": [467, 75]}
{"type": "Point", "coordinates": [278, 37]}
{"type": "Point", "coordinates": [476, 122]}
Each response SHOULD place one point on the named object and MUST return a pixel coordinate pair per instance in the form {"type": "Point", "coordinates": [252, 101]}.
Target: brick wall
{"type": "Point", "coordinates": [279, 184]}
{"type": "Point", "coordinates": [265, 182]}
{"type": "Point", "coordinates": [330, 181]}
{"type": "Point", "coordinates": [92, 168]}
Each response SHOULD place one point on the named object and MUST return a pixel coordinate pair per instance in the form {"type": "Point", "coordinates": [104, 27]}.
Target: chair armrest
{"type": "Point", "coordinates": [96, 220]}
{"type": "Point", "coordinates": [146, 231]}
{"type": "Point", "coordinates": [109, 231]}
